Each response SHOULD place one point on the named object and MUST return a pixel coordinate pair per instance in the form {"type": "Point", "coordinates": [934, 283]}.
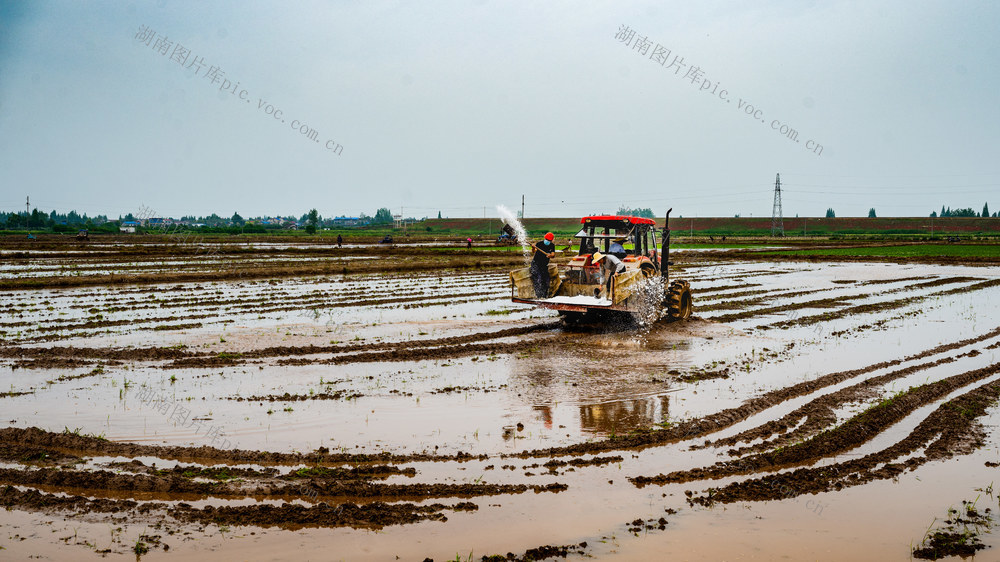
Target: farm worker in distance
{"type": "Point", "coordinates": [340, 241]}
{"type": "Point", "coordinates": [617, 249]}
{"type": "Point", "coordinates": [610, 266]}
{"type": "Point", "coordinates": [541, 253]}
{"type": "Point", "coordinates": [468, 243]}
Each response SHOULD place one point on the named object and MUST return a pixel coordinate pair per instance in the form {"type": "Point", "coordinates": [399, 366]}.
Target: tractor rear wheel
{"type": "Point", "coordinates": [679, 304]}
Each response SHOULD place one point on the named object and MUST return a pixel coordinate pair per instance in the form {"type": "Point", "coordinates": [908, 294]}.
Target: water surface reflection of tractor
{"type": "Point", "coordinates": [591, 285]}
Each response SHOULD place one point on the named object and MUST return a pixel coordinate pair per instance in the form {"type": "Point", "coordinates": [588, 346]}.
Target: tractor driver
{"type": "Point", "coordinates": [617, 249]}
{"type": "Point", "coordinates": [542, 252]}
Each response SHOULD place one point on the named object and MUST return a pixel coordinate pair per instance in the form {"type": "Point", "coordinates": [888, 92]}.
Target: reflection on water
{"type": "Point", "coordinates": [599, 383]}
{"type": "Point", "coordinates": [617, 417]}
{"type": "Point", "coordinates": [623, 416]}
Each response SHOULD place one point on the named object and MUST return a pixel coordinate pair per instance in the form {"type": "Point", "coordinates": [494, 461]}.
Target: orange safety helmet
{"type": "Point", "coordinates": [550, 237]}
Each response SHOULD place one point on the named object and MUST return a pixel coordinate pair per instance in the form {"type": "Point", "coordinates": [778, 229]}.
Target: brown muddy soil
{"type": "Point", "coordinates": [538, 426]}
{"type": "Point", "coordinates": [853, 432]}
{"type": "Point", "coordinates": [289, 516]}
{"type": "Point", "coordinates": [949, 430]}
{"type": "Point", "coordinates": [170, 483]}
{"type": "Point", "coordinates": [86, 445]}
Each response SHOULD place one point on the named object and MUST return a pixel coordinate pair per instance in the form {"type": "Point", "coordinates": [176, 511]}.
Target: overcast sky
{"type": "Point", "coordinates": [461, 106]}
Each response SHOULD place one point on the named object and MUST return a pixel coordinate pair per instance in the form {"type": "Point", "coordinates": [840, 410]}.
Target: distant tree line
{"type": "Point", "coordinates": [626, 211]}
{"type": "Point", "coordinates": [73, 221]}
{"type": "Point", "coordinates": [53, 221]}
{"type": "Point", "coordinates": [967, 212]}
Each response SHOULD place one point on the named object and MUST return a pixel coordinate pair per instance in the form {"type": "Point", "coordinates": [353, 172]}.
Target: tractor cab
{"type": "Point", "coordinates": [635, 238]}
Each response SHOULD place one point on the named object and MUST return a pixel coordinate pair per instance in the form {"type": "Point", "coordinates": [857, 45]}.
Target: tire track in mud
{"type": "Point", "coordinates": [360, 303]}
{"type": "Point", "coordinates": [854, 432]}
{"type": "Point", "coordinates": [342, 297]}
{"type": "Point", "coordinates": [726, 418]}
{"type": "Point", "coordinates": [820, 412]}
{"type": "Point", "coordinates": [407, 350]}
{"type": "Point", "coordinates": [183, 358]}
{"type": "Point", "coordinates": [840, 302]}
{"type": "Point", "coordinates": [726, 302]}
{"type": "Point", "coordinates": [395, 355]}
{"type": "Point", "coordinates": [881, 306]}
{"type": "Point", "coordinates": [44, 325]}
{"type": "Point", "coordinates": [436, 262]}
{"type": "Point", "coordinates": [720, 288]}
{"type": "Point", "coordinates": [832, 302]}
{"type": "Point", "coordinates": [950, 430]}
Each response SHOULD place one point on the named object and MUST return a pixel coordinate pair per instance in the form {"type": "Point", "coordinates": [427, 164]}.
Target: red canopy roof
{"type": "Point", "coordinates": [619, 218]}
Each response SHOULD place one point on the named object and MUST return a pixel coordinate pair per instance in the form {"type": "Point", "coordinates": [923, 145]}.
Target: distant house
{"type": "Point", "coordinates": [159, 221]}
{"type": "Point", "coordinates": [347, 221]}
{"type": "Point", "coordinates": [128, 227]}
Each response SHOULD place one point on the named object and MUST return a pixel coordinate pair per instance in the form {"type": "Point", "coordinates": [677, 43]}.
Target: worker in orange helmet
{"type": "Point", "coordinates": [542, 252]}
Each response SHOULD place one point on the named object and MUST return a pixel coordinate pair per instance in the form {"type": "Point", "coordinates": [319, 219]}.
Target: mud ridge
{"type": "Point", "coordinates": [84, 445]}
{"type": "Point", "coordinates": [854, 432]}
{"type": "Point", "coordinates": [881, 306]}
{"type": "Point", "coordinates": [97, 483]}
{"type": "Point", "coordinates": [374, 515]}
{"type": "Point", "coordinates": [949, 430]}
{"type": "Point", "coordinates": [820, 413]}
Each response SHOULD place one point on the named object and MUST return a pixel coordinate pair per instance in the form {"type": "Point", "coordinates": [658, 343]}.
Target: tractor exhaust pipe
{"type": "Point", "coordinates": [665, 250]}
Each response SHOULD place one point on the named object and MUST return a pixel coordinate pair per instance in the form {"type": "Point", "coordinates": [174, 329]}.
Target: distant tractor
{"type": "Point", "coordinates": [578, 289]}
{"type": "Point", "coordinates": [83, 235]}
{"type": "Point", "coordinates": [508, 236]}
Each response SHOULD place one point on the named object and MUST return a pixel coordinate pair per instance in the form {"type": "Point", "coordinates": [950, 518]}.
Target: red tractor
{"type": "Point", "coordinates": [581, 287]}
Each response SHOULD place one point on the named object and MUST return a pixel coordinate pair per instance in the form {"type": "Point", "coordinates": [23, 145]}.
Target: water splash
{"type": "Point", "coordinates": [649, 302]}
{"type": "Point", "coordinates": [522, 236]}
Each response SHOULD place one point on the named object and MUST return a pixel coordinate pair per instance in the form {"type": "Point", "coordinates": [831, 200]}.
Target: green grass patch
{"type": "Point", "coordinates": [906, 251]}
{"type": "Point", "coordinates": [721, 246]}
{"type": "Point", "coordinates": [312, 472]}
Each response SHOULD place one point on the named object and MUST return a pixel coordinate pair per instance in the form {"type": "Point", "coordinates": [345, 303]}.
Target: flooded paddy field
{"type": "Point", "coordinates": [820, 410]}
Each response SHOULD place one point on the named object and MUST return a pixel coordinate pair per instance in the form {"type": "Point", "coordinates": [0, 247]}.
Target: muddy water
{"type": "Point", "coordinates": [548, 388]}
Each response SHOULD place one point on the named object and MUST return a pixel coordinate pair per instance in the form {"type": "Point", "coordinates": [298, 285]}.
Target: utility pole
{"type": "Point", "coordinates": [522, 208]}
{"type": "Point", "coordinates": [777, 224]}
{"type": "Point", "coordinates": [27, 213]}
